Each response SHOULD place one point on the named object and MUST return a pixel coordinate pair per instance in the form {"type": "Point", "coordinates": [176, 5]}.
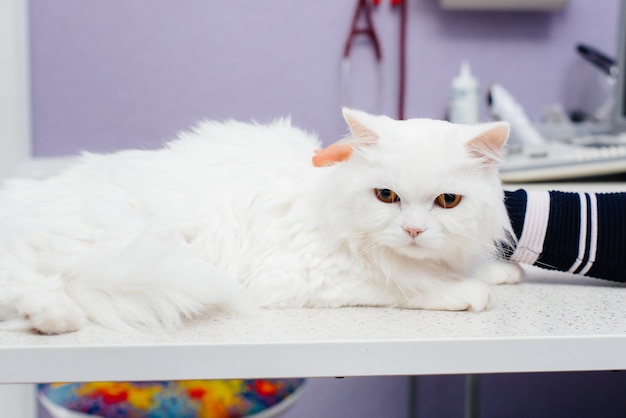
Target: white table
{"type": "Point", "coordinates": [552, 322]}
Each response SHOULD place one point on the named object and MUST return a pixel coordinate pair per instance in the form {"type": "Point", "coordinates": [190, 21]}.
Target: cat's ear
{"type": "Point", "coordinates": [362, 135]}
{"type": "Point", "coordinates": [488, 143]}
{"type": "Point", "coordinates": [360, 124]}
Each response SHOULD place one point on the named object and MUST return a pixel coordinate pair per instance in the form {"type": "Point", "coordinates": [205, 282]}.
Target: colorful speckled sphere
{"type": "Point", "coordinates": [181, 399]}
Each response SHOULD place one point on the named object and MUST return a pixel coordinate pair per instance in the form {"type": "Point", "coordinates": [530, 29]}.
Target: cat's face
{"type": "Point", "coordinates": [421, 188]}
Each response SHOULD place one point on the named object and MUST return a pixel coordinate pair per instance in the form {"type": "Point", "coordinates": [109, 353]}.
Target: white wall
{"type": "Point", "coordinates": [15, 143]}
{"type": "Point", "coordinates": [15, 400]}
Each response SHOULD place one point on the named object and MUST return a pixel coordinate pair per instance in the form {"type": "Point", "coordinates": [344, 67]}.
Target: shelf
{"type": "Point", "coordinates": [551, 322]}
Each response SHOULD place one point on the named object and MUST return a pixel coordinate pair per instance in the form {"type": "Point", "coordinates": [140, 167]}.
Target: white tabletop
{"type": "Point", "coordinates": [552, 322]}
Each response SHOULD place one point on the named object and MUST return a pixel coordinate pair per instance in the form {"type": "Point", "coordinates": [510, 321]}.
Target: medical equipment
{"type": "Point", "coordinates": [503, 106]}
{"type": "Point", "coordinates": [597, 155]}
{"type": "Point", "coordinates": [402, 64]}
{"type": "Point", "coordinates": [592, 89]}
{"type": "Point", "coordinates": [578, 154]}
{"type": "Point", "coordinates": [530, 157]}
{"type": "Point", "coordinates": [363, 7]}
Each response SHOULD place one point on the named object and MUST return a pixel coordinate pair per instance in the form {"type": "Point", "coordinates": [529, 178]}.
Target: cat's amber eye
{"type": "Point", "coordinates": [448, 200]}
{"type": "Point", "coordinates": [386, 195]}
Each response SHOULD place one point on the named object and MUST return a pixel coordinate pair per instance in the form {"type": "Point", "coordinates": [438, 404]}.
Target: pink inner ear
{"type": "Point", "coordinates": [332, 154]}
{"type": "Point", "coordinates": [488, 144]}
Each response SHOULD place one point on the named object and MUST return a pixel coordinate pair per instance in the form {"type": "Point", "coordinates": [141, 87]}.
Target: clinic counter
{"type": "Point", "coordinates": [550, 322]}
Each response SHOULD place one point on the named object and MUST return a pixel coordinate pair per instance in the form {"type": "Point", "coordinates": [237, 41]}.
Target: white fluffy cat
{"type": "Point", "coordinates": [236, 215]}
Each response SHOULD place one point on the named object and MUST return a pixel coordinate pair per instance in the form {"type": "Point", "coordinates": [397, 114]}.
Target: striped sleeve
{"type": "Point", "coordinates": [609, 261]}
{"type": "Point", "coordinates": [580, 233]}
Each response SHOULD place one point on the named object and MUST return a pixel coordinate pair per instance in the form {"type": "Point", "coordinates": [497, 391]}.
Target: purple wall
{"type": "Point", "coordinates": [523, 395]}
{"type": "Point", "coordinates": [352, 397]}
{"type": "Point", "coordinates": [116, 74]}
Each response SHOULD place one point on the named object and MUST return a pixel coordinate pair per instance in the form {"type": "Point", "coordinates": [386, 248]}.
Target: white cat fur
{"type": "Point", "coordinates": [235, 215]}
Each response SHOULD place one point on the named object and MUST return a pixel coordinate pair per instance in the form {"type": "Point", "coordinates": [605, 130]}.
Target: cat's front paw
{"type": "Point", "coordinates": [501, 272]}
{"type": "Point", "coordinates": [57, 318]}
{"type": "Point", "coordinates": [477, 295]}
{"type": "Point", "coordinates": [457, 295]}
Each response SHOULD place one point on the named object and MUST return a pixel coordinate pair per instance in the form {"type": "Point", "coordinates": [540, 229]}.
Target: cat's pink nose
{"type": "Point", "coordinates": [412, 231]}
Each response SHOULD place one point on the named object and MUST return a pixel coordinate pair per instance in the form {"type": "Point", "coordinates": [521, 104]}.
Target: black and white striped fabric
{"type": "Point", "coordinates": [580, 233]}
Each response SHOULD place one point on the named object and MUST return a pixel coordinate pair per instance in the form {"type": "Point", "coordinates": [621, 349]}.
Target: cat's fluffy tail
{"type": "Point", "coordinates": [152, 285]}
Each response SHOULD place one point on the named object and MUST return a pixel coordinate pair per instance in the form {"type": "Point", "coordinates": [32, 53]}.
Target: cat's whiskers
{"type": "Point", "coordinates": [479, 246]}
{"type": "Point", "coordinates": [374, 250]}
{"type": "Point", "coordinates": [390, 277]}
{"type": "Point", "coordinates": [405, 288]}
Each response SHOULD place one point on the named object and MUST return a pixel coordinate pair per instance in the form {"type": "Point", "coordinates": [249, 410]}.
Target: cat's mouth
{"type": "Point", "coordinates": [414, 247]}
{"type": "Point", "coordinates": [413, 251]}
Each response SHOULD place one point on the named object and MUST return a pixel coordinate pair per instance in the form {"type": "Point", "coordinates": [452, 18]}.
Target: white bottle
{"type": "Point", "coordinates": [464, 97]}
